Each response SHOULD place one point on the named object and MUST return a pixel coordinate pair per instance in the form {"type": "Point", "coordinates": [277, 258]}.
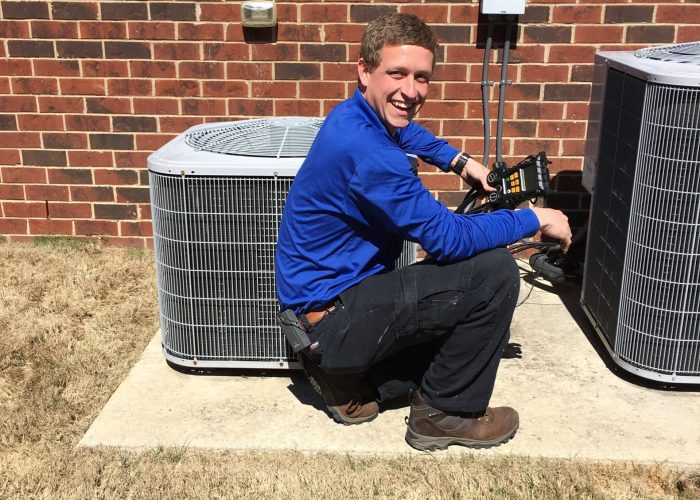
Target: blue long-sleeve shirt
{"type": "Point", "coordinates": [356, 198]}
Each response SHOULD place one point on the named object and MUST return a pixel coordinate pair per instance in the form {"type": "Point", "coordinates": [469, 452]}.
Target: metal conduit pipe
{"type": "Point", "coordinates": [485, 84]}
{"type": "Point", "coordinates": [502, 89]}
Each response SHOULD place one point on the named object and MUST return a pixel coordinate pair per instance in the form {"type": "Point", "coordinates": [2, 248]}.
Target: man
{"type": "Point", "coordinates": [354, 201]}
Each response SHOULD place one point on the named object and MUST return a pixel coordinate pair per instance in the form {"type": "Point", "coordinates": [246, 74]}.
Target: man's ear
{"type": "Point", "coordinates": [363, 72]}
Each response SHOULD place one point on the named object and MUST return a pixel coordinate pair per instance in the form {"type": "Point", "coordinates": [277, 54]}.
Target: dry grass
{"type": "Point", "coordinates": [74, 316]}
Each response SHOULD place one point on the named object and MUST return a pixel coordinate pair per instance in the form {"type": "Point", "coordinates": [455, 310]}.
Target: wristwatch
{"type": "Point", "coordinates": [458, 167]}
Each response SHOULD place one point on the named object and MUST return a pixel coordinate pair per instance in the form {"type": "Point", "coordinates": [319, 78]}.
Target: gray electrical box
{"type": "Point", "coordinates": [513, 7]}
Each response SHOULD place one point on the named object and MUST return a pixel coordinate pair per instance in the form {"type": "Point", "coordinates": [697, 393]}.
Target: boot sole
{"type": "Point", "coordinates": [335, 410]}
{"type": "Point", "coordinates": [429, 443]}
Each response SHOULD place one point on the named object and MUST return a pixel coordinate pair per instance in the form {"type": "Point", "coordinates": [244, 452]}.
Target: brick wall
{"type": "Point", "coordinates": [89, 89]}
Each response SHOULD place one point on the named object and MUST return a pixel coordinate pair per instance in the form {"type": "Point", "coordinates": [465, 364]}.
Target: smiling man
{"type": "Point", "coordinates": [435, 330]}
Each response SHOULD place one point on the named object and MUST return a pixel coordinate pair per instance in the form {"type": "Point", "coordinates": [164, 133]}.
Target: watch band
{"type": "Point", "coordinates": [458, 167]}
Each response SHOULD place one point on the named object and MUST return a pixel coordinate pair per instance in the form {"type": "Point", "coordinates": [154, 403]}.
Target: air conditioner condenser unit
{"type": "Point", "coordinates": [217, 195]}
{"type": "Point", "coordinates": [641, 287]}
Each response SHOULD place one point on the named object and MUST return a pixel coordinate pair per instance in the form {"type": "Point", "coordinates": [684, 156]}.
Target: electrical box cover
{"type": "Point", "coordinates": [503, 7]}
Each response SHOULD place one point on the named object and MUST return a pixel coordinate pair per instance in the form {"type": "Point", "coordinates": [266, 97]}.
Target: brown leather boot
{"type": "Point", "coordinates": [430, 428]}
{"type": "Point", "coordinates": [349, 398]}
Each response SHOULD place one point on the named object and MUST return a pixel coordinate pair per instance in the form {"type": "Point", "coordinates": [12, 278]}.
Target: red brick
{"type": "Point", "coordinates": [178, 51]}
{"type": "Point", "coordinates": [688, 34]}
{"type": "Point", "coordinates": [573, 147]}
{"type": "Point", "coordinates": [130, 86]}
{"type": "Point", "coordinates": [275, 52]}
{"type": "Point", "coordinates": [650, 34]}
{"type": "Point", "coordinates": [114, 211]}
{"type": "Point", "coordinates": [51, 104]}
{"type": "Point", "coordinates": [127, 242]}
{"type": "Point", "coordinates": [178, 124]}
{"type": "Point", "coordinates": [300, 33]}
{"type": "Point", "coordinates": [10, 157]}
{"type": "Point", "coordinates": [100, 141]}
{"type": "Point", "coordinates": [226, 52]}
{"type": "Point", "coordinates": [151, 31]}
{"type": "Point", "coordinates": [170, 11]}
{"type": "Point", "coordinates": [16, 67]}
{"type": "Point", "coordinates": [133, 195]}
{"type": "Point", "coordinates": [91, 193]}
{"type": "Point", "coordinates": [83, 86]}
{"type": "Point", "coordinates": [156, 106]}
{"type": "Point", "coordinates": [544, 73]}
{"type": "Point", "coordinates": [567, 92]}
{"type": "Point", "coordinates": [204, 107]}
{"type": "Point", "coordinates": [36, 86]}
{"type": "Point", "coordinates": [297, 107]}
{"type": "Point", "coordinates": [577, 110]}
{"type": "Point", "coordinates": [49, 226]}
{"type": "Point", "coordinates": [134, 124]}
{"type": "Point", "coordinates": [428, 13]}
{"type": "Point", "coordinates": [443, 110]}
{"type": "Point", "coordinates": [11, 192]}
{"type": "Point", "coordinates": [461, 13]}
{"type": "Point", "coordinates": [90, 159]}
{"type": "Point", "coordinates": [47, 192]}
{"type": "Point", "coordinates": [112, 69]}
{"type": "Point", "coordinates": [130, 159]}
{"type": "Point", "coordinates": [145, 211]}
{"type": "Point", "coordinates": [153, 69]}
{"type": "Point", "coordinates": [178, 88]}
{"type": "Point", "coordinates": [551, 147]}
{"type": "Point", "coordinates": [24, 209]}
{"type": "Point", "coordinates": [22, 175]}
{"type": "Point", "coordinates": [343, 32]}
{"type": "Point", "coordinates": [597, 34]}
{"type": "Point", "coordinates": [79, 49]}
{"type": "Point", "coordinates": [54, 29]}
{"type": "Point", "coordinates": [116, 176]}
{"type": "Point", "coordinates": [74, 10]}
{"type": "Point", "coordinates": [226, 12]}
{"type": "Point", "coordinates": [527, 54]}
{"type": "Point", "coordinates": [269, 90]}
{"type": "Point", "coordinates": [141, 228]}
{"type": "Point", "coordinates": [250, 107]}
{"type": "Point", "coordinates": [22, 104]}
{"type": "Point", "coordinates": [118, 11]}
{"type": "Point", "coordinates": [70, 176]}
{"type": "Point", "coordinates": [96, 227]}
{"type": "Point", "coordinates": [13, 226]}
{"type": "Point", "coordinates": [561, 129]}
{"type": "Point", "coordinates": [540, 110]}
{"type": "Point", "coordinates": [680, 14]}
{"type": "Point", "coordinates": [64, 140]}
{"type": "Point", "coordinates": [14, 29]}
{"type": "Point", "coordinates": [577, 14]}
{"type": "Point", "coordinates": [128, 50]}
{"type": "Point", "coordinates": [234, 33]}
{"type": "Point", "coordinates": [152, 142]}
{"type": "Point", "coordinates": [201, 69]}
{"type": "Point", "coordinates": [55, 67]}
{"type": "Point", "coordinates": [455, 128]}
{"type": "Point", "coordinates": [40, 122]}
{"type": "Point", "coordinates": [200, 31]}
{"type": "Point", "coordinates": [108, 105]}
{"type": "Point", "coordinates": [224, 88]}
{"type": "Point", "coordinates": [571, 53]}
{"type": "Point", "coordinates": [30, 48]}
{"type": "Point", "coordinates": [4, 82]}
{"type": "Point", "coordinates": [456, 91]}
{"type": "Point", "coordinates": [20, 139]}
{"type": "Point", "coordinates": [87, 122]}
{"type": "Point", "coordinates": [249, 71]}
{"type": "Point", "coordinates": [327, 13]}
{"type": "Point", "coordinates": [102, 30]}
{"type": "Point", "coordinates": [322, 90]}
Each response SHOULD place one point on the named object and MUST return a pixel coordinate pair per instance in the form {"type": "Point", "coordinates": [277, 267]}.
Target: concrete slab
{"type": "Point", "coordinates": [571, 404]}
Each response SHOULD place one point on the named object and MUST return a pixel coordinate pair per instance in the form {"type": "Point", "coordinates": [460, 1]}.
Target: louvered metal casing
{"type": "Point", "coordinates": [217, 195]}
{"type": "Point", "coordinates": [641, 287]}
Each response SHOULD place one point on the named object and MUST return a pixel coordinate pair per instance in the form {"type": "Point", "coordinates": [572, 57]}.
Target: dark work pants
{"type": "Point", "coordinates": [449, 323]}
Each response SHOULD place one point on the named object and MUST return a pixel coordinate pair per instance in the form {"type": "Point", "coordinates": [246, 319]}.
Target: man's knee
{"type": "Point", "coordinates": [498, 268]}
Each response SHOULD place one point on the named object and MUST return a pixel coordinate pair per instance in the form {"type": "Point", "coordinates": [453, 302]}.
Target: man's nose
{"type": "Point", "coordinates": [409, 88]}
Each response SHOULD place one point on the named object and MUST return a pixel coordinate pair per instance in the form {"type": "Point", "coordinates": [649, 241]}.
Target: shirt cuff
{"type": "Point", "coordinates": [529, 221]}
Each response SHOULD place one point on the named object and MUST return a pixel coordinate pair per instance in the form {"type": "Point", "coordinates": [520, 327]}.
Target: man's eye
{"type": "Point", "coordinates": [423, 79]}
{"type": "Point", "coordinates": [395, 74]}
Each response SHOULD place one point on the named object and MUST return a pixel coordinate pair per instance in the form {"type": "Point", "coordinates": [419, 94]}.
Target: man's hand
{"type": "Point", "coordinates": [475, 173]}
{"type": "Point", "coordinates": [555, 224]}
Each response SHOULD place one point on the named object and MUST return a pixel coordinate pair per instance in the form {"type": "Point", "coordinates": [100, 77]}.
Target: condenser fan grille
{"type": "Point", "coordinates": [686, 53]}
{"type": "Point", "coordinates": [268, 138]}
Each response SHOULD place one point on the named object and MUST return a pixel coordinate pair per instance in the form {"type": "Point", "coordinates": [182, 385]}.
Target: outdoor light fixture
{"type": "Point", "coordinates": [261, 14]}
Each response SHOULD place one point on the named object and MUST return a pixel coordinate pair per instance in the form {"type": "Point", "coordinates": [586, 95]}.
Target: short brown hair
{"type": "Point", "coordinates": [395, 29]}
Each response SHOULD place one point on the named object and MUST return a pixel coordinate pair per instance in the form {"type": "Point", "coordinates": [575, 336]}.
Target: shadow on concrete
{"type": "Point", "coordinates": [570, 293]}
